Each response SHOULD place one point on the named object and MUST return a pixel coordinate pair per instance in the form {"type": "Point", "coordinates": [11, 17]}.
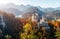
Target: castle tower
{"type": "Point", "coordinates": [35, 17]}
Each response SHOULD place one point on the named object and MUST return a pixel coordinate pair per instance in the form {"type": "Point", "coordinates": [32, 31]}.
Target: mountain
{"type": "Point", "coordinates": [33, 10]}
{"type": "Point", "coordinates": [56, 13]}
{"type": "Point", "coordinates": [22, 9]}
{"type": "Point", "coordinates": [13, 11]}
{"type": "Point", "coordinates": [40, 8]}
{"type": "Point", "coordinates": [53, 14]}
{"type": "Point", "coordinates": [19, 7]}
{"type": "Point", "coordinates": [49, 9]}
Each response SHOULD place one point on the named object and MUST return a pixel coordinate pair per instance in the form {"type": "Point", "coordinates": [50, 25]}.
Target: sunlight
{"type": "Point", "coordinates": [3, 2]}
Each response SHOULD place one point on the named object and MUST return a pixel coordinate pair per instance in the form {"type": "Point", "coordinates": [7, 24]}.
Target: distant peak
{"type": "Point", "coordinates": [11, 4]}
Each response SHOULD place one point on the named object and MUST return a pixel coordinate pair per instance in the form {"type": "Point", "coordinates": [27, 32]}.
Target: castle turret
{"type": "Point", "coordinates": [35, 17]}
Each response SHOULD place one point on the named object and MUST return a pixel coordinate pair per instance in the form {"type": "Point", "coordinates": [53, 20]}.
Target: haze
{"type": "Point", "coordinates": [42, 3]}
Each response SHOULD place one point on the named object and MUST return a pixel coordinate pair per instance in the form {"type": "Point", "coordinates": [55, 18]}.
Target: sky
{"type": "Point", "coordinates": [41, 3]}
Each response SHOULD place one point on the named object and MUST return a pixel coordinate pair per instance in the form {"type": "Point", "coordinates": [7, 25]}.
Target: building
{"type": "Point", "coordinates": [43, 22]}
{"type": "Point", "coordinates": [35, 17]}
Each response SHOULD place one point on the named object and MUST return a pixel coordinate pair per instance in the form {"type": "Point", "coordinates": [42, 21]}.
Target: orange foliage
{"type": "Point", "coordinates": [34, 23]}
{"type": "Point", "coordinates": [24, 21]}
{"type": "Point", "coordinates": [55, 23]}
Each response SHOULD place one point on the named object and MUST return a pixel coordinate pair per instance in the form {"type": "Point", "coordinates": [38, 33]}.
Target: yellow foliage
{"type": "Point", "coordinates": [27, 26]}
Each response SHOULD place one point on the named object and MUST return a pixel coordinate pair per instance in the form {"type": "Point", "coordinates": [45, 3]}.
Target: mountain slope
{"type": "Point", "coordinates": [33, 10]}
{"type": "Point", "coordinates": [13, 11]}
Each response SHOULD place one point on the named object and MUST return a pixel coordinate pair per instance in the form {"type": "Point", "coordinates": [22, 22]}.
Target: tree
{"type": "Point", "coordinates": [52, 31]}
